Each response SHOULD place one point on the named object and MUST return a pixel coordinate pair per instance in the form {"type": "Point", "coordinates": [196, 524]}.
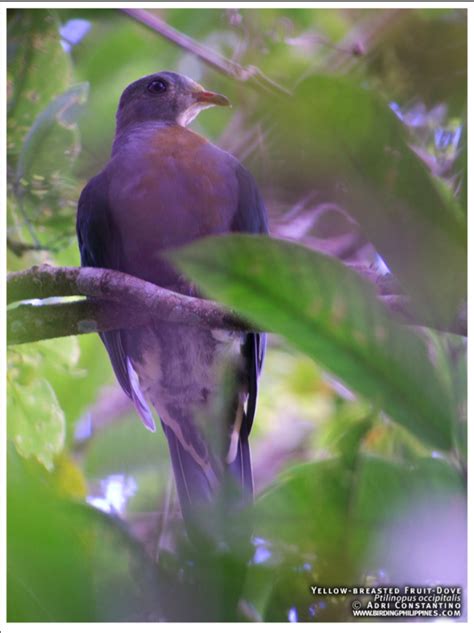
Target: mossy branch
{"type": "Point", "coordinates": [116, 300]}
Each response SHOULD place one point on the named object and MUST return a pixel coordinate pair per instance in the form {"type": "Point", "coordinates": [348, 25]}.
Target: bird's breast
{"type": "Point", "coordinates": [168, 188]}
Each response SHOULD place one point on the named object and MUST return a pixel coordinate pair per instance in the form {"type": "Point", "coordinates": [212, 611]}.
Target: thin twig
{"type": "Point", "coordinates": [365, 35]}
{"type": "Point", "coordinates": [20, 248]}
{"type": "Point", "coordinates": [250, 74]}
{"type": "Point", "coordinates": [360, 40]}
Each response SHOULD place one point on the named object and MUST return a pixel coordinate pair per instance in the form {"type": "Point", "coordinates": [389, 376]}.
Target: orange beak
{"type": "Point", "coordinates": [211, 97]}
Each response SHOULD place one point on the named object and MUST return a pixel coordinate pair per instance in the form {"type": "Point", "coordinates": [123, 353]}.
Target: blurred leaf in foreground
{"type": "Point", "coordinates": [334, 517]}
{"type": "Point", "coordinates": [36, 422]}
{"type": "Point", "coordinates": [44, 187]}
{"type": "Point", "coordinates": [68, 562]}
{"type": "Point", "coordinates": [341, 137]}
{"type": "Point", "coordinates": [38, 69]}
{"type": "Point", "coordinates": [330, 313]}
{"type": "Point", "coordinates": [37, 405]}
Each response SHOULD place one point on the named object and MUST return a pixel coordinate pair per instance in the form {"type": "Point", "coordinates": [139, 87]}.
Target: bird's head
{"type": "Point", "coordinates": [165, 96]}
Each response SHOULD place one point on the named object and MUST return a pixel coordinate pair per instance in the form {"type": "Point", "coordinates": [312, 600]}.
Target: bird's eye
{"type": "Point", "coordinates": [157, 86]}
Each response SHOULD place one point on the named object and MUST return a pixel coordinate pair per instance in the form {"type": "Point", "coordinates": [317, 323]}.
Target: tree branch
{"type": "Point", "coordinates": [28, 323]}
{"type": "Point", "coordinates": [228, 67]}
{"type": "Point", "coordinates": [20, 248]}
{"type": "Point", "coordinates": [117, 300]}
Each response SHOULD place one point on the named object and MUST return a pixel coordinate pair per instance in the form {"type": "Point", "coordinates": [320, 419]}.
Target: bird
{"type": "Point", "coordinates": [163, 187]}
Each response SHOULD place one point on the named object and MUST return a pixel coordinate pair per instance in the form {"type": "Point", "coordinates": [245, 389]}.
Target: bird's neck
{"type": "Point", "coordinates": [137, 133]}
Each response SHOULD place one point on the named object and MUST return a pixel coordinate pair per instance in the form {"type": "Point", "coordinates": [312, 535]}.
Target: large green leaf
{"type": "Point", "coordinates": [52, 140]}
{"type": "Point", "coordinates": [48, 570]}
{"type": "Point", "coordinates": [330, 313]}
{"type": "Point", "coordinates": [38, 69]}
{"type": "Point", "coordinates": [42, 132]}
{"type": "Point", "coordinates": [343, 140]}
{"type": "Point", "coordinates": [324, 523]}
{"type": "Point", "coordinates": [45, 190]}
{"type": "Point", "coordinates": [68, 562]}
{"type": "Point", "coordinates": [42, 390]}
{"type": "Point", "coordinates": [36, 421]}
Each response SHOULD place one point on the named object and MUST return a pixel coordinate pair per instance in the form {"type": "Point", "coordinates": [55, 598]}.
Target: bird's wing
{"type": "Point", "coordinates": [251, 214]}
{"type": "Point", "coordinates": [195, 483]}
{"type": "Point", "coordinates": [250, 217]}
{"type": "Point", "coordinates": [100, 247]}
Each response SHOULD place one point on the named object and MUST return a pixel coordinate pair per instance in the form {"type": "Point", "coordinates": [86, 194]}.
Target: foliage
{"type": "Point", "coordinates": [325, 310]}
{"type": "Point", "coordinates": [368, 166]}
{"type": "Point", "coordinates": [366, 161]}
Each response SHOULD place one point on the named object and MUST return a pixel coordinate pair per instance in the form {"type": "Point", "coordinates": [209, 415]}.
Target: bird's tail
{"type": "Point", "coordinates": [215, 495]}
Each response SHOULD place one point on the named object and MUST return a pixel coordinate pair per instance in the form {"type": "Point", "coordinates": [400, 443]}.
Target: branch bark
{"type": "Point", "coordinates": [117, 300]}
{"type": "Point", "coordinates": [28, 323]}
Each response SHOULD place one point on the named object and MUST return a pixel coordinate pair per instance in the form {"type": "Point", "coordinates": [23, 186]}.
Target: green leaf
{"type": "Point", "coordinates": [42, 132]}
{"type": "Point", "coordinates": [38, 69]}
{"type": "Point", "coordinates": [450, 354]}
{"type": "Point", "coordinates": [56, 362]}
{"type": "Point", "coordinates": [330, 313]}
{"type": "Point", "coordinates": [331, 519]}
{"type": "Point", "coordinates": [45, 190]}
{"type": "Point", "coordinates": [48, 571]}
{"type": "Point", "coordinates": [325, 507]}
{"type": "Point", "coordinates": [68, 562]}
{"type": "Point", "coordinates": [36, 421]}
{"type": "Point", "coordinates": [344, 140]}
{"type": "Point", "coordinates": [52, 139]}
{"type": "Point", "coordinates": [346, 432]}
